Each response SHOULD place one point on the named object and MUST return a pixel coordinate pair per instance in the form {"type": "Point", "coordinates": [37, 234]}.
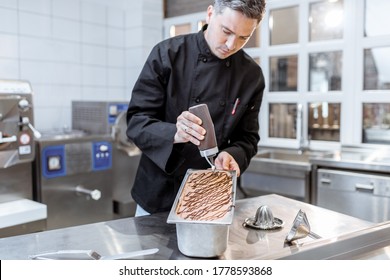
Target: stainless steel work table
{"type": "Point", "coordinates": [356, 158]}
{"type": "Point", "coordinates": [129, 234]}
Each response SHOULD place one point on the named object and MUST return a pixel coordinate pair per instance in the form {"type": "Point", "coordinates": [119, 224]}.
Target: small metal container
{"type": "Point", "coordinates": [198, 238]}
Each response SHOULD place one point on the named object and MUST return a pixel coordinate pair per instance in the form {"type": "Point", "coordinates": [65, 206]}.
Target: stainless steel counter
{"type": "Point", "coordinates": [356, 158]}
{"type": "Point", "coordinates": [129, 234]}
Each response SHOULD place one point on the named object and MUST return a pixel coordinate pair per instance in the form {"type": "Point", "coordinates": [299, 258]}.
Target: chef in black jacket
{"type": "Point", "coordinates": [205, 67]}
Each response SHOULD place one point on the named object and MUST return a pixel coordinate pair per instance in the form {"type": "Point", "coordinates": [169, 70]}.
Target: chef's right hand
{"type": "Point", "coordinates": [189, 129]}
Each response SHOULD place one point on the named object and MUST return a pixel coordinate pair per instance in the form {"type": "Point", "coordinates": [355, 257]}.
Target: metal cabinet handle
{"type": "Point", "coordinates": [364, 187]}
{"type": "Point", "coordinates": [94, 194]}
{"type": "Point", "coordinates": [325, 181]}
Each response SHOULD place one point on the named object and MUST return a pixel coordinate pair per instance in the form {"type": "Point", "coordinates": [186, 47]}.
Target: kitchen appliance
{"type": "Point", "coordinates": [96, 117]}
{"type": "Point", "coordinates": [19, 214]}
{"type": "Point", "coordinates": [208, 146]}
{"type": "Point", "coordinates": [357, 193]}
{"type": "Point", "coordinates": [109, 118]}
{"type": "Point", "coordinates": [73, 177]}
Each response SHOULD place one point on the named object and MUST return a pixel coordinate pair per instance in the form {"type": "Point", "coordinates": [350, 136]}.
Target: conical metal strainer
{"type": "Point", "coordinates": [301, 228]}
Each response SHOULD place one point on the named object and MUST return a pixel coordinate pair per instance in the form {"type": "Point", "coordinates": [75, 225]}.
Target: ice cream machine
{"type": "Point", "coordinates": [19, 213]}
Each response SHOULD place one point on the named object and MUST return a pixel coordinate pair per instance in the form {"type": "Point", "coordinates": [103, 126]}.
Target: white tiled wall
{"type": "Point", "coordinates": [76, 50]}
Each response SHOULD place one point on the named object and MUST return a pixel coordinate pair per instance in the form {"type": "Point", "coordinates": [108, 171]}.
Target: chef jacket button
{"type": "Point", "coordinates": [222, 103]}
{"type": "Point", "coordinates": [204, 59]}
{"type": "Point", "coordinates": [228, 63]}
{"type": "Point", "coordinates": [197, 100]}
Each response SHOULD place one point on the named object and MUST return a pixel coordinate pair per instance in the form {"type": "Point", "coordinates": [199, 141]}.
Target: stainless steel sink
{"type": "Point", "coordinates": [281, 171]}
{"type": "Point", "coordinates": [290, 155]}
{"type": "Point", "coordinates": [357, 158]}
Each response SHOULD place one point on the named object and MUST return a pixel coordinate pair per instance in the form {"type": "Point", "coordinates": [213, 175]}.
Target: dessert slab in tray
{"type": "Point", "coordinates": [224, 220]}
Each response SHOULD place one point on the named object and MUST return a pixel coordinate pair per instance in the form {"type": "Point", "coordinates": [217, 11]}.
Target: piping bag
{"type": "Point", "coordinates": [208, 147]}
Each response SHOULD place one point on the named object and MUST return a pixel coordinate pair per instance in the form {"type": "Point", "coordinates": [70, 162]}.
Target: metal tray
{"type": "Point", "coordinates": [226, 220]}
{"type": "Point", "coordinates": [200, 238]}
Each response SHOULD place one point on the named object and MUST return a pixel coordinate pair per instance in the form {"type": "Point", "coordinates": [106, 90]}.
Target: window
{"type": "Point", "coordinates": [377, 20]}
{"type": "Point", "coordinates": [324, 121]}
{"type": "Point", "coordinates": [377, 68]}
{"type": "Point", "coordinates": [282, 120]}
{"type": "Point", "coordinates": [326, 20]}
{"type": "Point", "coordinates": [283, 73]}
{"type": "Point", "coordinates": [281, 20]}
{"type": "Point", "coordinates": [330, 56]}
{"type": "Point", "coordinates": [376, 123]}
{"type": "Point", "coordinates": [325, 71]}
{"type": "Point", "coordinates": [301, 70]}
{"type": "Point", "coordinates": [375, 94]}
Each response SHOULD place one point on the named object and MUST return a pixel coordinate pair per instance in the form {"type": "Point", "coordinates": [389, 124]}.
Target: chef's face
{"type": "Point", "coordinates": [227, 32]}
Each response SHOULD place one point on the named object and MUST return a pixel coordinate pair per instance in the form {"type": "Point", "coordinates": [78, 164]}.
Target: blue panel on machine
{"type": "Point", "coordinates": [102, 155]}
{"type": "Point", "coordinates": [114, 109]}
{"type": "Point", "coordinates": [53, 163]}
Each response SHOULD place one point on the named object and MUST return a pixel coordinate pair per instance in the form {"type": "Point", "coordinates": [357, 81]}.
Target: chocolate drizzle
{"type": "Point", "coordinates": [207, 195]}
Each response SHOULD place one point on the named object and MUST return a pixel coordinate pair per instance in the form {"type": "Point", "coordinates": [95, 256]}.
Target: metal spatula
{"type": "Point", "coordinates": [89, 255]}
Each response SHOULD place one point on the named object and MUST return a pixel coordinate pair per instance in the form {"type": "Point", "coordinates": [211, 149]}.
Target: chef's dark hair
{"type": "Point", "coordinates": [254, 9]}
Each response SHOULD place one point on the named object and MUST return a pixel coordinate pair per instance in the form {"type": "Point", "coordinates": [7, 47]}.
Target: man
{"type": "Point", "coordinates": [208, 67]}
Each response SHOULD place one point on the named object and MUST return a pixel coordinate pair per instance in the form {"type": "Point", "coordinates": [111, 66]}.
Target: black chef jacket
{"type": "Point", "coordinates": [181, 72]}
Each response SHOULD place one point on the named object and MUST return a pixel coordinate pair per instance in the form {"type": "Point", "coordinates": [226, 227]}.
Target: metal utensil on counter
{"type": "Point", "coordinates": [264, 219]}
{"type": "Point", "coordinates": [90, 255]}
{"type": "Point", "coordinates": [300, 228]}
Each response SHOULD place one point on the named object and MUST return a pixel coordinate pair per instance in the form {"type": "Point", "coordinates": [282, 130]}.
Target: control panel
{"type": "Point", "coordinates": [102, 155]}
{"type": "Point", "coordinates": [76, 158]}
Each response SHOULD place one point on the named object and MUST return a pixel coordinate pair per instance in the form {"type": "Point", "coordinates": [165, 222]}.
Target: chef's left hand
{"type": "Point", "coordinates": [225, 161]}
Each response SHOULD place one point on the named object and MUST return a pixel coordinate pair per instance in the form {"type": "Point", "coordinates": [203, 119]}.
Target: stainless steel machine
{"type": "Point", "coordinates": [358, 194]}
{"type": "Point", "coordinates": [73, 177]}
{"type": "Point", "coordinates": [354, 181]}
{"type": "Point", "coordinates": [109, 118]}
{"type": "Point", "coordinates": [19, 214]}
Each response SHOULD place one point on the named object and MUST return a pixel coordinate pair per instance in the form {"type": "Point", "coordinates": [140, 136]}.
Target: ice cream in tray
{"type": "Point", "coordinates": [203, 210]}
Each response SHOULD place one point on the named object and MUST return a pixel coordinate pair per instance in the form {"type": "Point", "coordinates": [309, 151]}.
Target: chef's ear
{"type": "Point", "coordinates": [210, 12]}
